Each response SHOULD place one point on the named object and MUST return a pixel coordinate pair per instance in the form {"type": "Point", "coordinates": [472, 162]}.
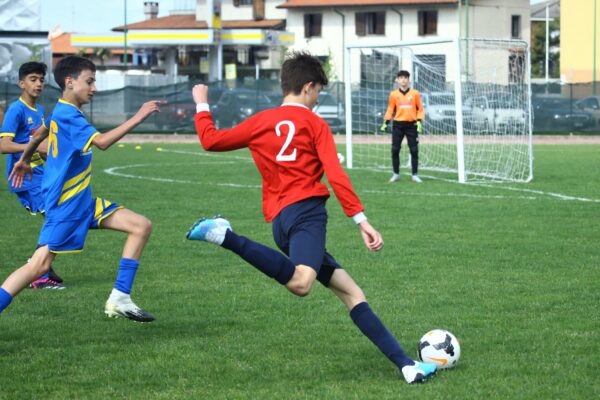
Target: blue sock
{"type": "Point", "coordinates": [370, 325]}
{"type": "Point", "coordinates": [268, 261]}
{"type": "Point", "coordinates": [5, 299]}
{"type": "Point", "coordinates": [127, 269]}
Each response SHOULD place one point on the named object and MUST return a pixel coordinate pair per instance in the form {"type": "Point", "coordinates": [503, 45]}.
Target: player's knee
{"type": "Point", "coordinates": [301, 290]}
{"type": "Point", "coordinates": [143, 226]}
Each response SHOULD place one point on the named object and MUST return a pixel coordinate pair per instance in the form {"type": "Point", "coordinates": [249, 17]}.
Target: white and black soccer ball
{"type": "Point", "coordinates": [341, 158]}
{"type": "Point", "coordinates": [439, 347]}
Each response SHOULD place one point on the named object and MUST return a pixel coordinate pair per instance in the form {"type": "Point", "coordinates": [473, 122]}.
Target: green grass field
{"type": "Point", "coordinates": [513, 274]}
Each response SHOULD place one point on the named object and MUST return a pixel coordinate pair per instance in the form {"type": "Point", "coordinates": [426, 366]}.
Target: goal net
{"type": "Point", "coordinates": [476, 96]}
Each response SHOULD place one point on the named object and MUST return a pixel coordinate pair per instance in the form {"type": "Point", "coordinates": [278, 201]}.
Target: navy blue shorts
{"type": "Point", "coordinates": [300, 231]}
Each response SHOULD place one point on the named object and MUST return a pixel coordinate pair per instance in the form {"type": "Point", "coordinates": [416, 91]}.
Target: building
{"type": "Point", "coordinates": [579, 55]}
{"type": "Point", "coordinates": [251, 36]}
{"type": "Point", "coordinates": [326, 26]}
{"type": "Point", "coordinates": [247, 37]}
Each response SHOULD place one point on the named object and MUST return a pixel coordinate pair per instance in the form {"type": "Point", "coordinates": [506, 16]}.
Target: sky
{"type": "Point", "coordinates": [97, 16]}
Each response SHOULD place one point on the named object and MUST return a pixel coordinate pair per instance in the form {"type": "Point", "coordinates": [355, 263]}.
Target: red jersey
{"type": "Point", "coordinates": [292, 148]}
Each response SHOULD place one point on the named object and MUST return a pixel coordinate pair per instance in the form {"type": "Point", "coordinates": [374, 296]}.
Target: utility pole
{"type": "Point", "coordinates": [125, 34]}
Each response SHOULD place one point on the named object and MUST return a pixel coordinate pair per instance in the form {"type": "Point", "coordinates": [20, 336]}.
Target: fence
{"type": "Point", "coordinates": [556, 108]}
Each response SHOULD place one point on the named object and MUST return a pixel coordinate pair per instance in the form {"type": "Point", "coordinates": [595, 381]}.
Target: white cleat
{"type": "Point", "coordinates": [416, 179]}
{"type": "Point", "coordinates": [120, 305]}
{"type": "Point", "coordinates": [419, 372]}
{"type": "Point", "coordinates": [394, 178]}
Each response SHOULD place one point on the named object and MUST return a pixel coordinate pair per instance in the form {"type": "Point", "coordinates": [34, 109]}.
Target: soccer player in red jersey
{"type": "Point", "coordinates": [292, 148]}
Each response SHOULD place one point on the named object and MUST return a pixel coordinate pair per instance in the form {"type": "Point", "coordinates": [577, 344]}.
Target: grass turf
{"type": "Point", "coordinates": [514, 275]}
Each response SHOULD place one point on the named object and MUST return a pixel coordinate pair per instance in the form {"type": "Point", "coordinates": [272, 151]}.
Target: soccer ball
{"type": "Point", "coordinates": [341, 157]}
{"type": "Point", "coordinates": [439, 347]}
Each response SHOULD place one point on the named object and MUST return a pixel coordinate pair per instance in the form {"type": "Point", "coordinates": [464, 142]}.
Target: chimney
{"type": "Point", "coordinates": [258, 10]}
{"type": "Point", "coordinates": [151, 9]}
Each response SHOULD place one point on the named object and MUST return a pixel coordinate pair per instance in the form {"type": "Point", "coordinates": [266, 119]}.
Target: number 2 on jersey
{"type": "Point", "coordinates": [291, 131]}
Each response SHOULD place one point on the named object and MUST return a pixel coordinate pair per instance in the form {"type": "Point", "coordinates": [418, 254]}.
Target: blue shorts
{"type": "Point", "coordinates": [300, 230]}
{"type": "Point", "coordinates": [32, 199]}
{"type": "Point", "coordinates": [69, 236]}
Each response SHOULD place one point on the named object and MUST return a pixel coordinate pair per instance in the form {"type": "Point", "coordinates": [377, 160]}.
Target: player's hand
{"type": "Point", "coordinates": [200, 94]}
{"type": "Point", "coordinates": [419, 127]}
{"type": "Point", "coordinates": [371, 237]}
{"type": "Point", "coordinates": [149, 108]}
{"type": "Point", "coordinates": [383, 127]}
{"type": "Point", "coordinates": [18, 173]}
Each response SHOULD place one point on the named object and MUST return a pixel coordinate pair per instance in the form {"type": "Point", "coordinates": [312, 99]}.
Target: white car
{"type": "Point", "coordinates": [497, 114]}
{"type": "Point", "coordinates": [440, 111]}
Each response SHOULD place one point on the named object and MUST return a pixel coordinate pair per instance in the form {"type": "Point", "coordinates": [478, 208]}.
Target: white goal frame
{"type": "Point", "coordinates": [458, 79]}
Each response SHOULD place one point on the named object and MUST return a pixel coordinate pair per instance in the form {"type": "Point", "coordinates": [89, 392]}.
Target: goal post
{"type": "Point", "coordinates": [477, 101]}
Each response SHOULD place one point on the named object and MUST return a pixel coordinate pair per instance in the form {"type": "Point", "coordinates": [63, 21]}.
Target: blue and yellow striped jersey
{"type": "Point", "coordinates": [20, 122]}
{"type": "Point", "coordinates": [66, 186]}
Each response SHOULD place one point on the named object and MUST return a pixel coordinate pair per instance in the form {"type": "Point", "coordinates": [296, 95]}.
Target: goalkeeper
{"type": "Point", "coordinates": [407, 110]}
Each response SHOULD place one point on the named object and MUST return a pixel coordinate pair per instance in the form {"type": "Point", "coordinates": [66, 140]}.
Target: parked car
{"type": "Point", "coordinates": [368, 109]}
{"type": "Point", "coordinates": [440, 112]}
{"type": "Point", "coordinates": [496, 114]}
{"type": "Point", "coordinates": [331, 111]}
{"type": "Point", "coordinates": [559, 113]}
{"type": "Point", "coordinates": [236, 105]}
{"type": "Point", "coordinates": [178, 115]}
{"type": "Point", "coordinates": [592, 105]}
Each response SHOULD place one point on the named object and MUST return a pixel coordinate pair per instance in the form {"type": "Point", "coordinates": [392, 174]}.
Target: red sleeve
{"type": "Point", "coordinates": [337, 177]}
{"type": "Point", "coordinates": [212, 139]}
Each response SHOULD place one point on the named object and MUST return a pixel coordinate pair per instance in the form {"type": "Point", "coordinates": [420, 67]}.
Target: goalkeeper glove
{"type": "Point", "coordinates": [383, 127]}
{"type": "Point", "coordinates": [419, 127]}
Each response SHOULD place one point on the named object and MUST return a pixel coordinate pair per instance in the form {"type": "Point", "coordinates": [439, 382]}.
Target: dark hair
{"type": "Point", "coordinates": [71, 66]}
{"type": "Point", "coordinates": [32, 68]}
{"type": "Point", "coordinates": [298, 69]}
{"type": "Point", "coordinates": [403, 72]}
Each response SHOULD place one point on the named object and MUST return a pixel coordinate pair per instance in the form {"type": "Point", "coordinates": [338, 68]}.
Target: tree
{"type": "Point", "coordinates": [538, 50]}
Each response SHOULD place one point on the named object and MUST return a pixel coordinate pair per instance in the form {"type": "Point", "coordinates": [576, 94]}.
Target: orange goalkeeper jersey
{"type": "Point", "coordinates": [405, 106]}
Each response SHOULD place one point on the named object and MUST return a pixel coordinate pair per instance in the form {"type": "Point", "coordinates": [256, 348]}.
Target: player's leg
{"type": "Point", "coordinates": [371, 326]}
{"type": "Point", "coordinates": [32, 201]}
{"type": "Point", "coordinates": [412, 137]}
{"type": "Point", "coordinates": [396, 145]}
{"type": "Point", "coordinates": [37, 265]}
{"type": "Point", "coordinates": [138, 229]}
{"type": "Point", "coordinates": [218, 231]}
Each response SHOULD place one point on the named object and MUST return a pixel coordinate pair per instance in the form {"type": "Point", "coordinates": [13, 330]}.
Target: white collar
{"type": "Point", "coordinates": [295, 104]}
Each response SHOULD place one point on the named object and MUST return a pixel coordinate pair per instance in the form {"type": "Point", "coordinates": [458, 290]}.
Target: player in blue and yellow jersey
{"type": "Point", "coordinates": [21, 121]}
{"type": "Point", "coordinates": [71, 210]}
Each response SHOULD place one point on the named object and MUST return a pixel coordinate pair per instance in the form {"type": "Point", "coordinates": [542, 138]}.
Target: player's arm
{"type": "Point", "coordinates": [344, 192]}
{"type": "Point", "coordinates": [389, 114]}
{"type": "Point", "coordinates": [212, 139]}
{"type": "Point", "coordinates": [22, 168]}
{"type": "Point", "coordinates": [419, 106]}
{"type": "Point", "coordinates": [105, 140]}
{"type": "Point", "coordinates": [8, 146]}
{"type": "Point", "coordinates": [10, 126]}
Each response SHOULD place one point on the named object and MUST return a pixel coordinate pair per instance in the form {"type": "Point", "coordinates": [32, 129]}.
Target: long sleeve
{"type": "Point", "coordinates": [212, 139]}
{"type": "Point", "coordinates": [419, 107]}
{"type": "Point", "coordinates": [391, 108]}
{"type": "Point", "coordinates": [337, 177]}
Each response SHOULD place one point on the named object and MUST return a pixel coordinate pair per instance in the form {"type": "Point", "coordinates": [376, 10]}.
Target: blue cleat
{"type": "Point", "coordinates": [209, 230]}
{"type": "Point", "coordinates": [419, 372]}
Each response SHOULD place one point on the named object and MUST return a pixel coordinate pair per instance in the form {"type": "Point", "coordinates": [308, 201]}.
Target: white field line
{"type": "Point", "coordinates": [114, 171]}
